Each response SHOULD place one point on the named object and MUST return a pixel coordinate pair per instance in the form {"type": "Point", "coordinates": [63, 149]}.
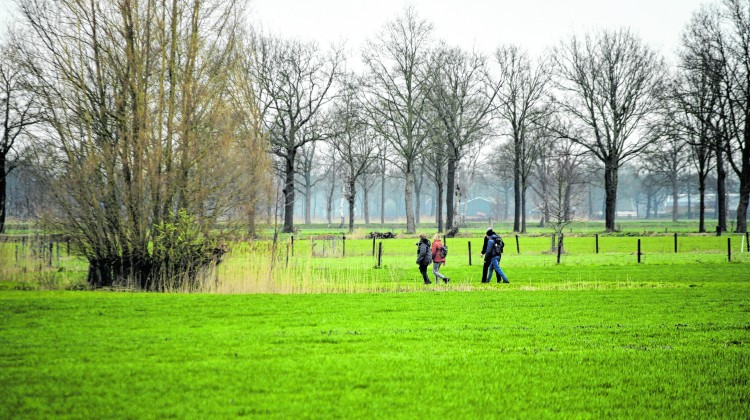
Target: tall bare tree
{"type": "Point", "coordinates": [694, 93]}
{"type": "Point", "coordinates": [19, 109]}
{"type": "Point", "coordinates": [295, 82]}
{"type": "Point", "coordinates": [523, 104]}
{"type": "Point", "coordinates": [607, 83]}
{"type": "Point", "coordinates": [668, 156]}
{"type": "Point", "coordinates": [730, 41]}
{"type": "Point", "coordinates": [396, 94]}
{"type": "Point", "coordinates": [461, 96]}
{"type": "Point", "coordinates": [353, 140]}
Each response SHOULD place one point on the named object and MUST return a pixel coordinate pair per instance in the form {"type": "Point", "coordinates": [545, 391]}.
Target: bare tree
{"type": "Point", "coordinates": [295, 82]}
{"type": "Point", "coordinates": [695, 97]}
{"type": "Point", "coordinates": [607, 84]}
{"type": "Point", "coordinates": [396, 94]}
{"type": "Point", "coordinates": [730, 42]}
{"type": "Point", "coordinates": [523, 104]}
{"type": "Point", "coordinates": [353, 140]}
{"type": "Point", "coordinates": [436, 160]}
{"type": "Point", "coordinates": [19, 109]}
{"type": "Point", "coordinates": [668, 158]}
{"type": "Point", "coordinates": [461, 97]}
{"type": "Point", "coordinates": [564, 180]}
{"type": "Point", "coordinates": [308, 169]}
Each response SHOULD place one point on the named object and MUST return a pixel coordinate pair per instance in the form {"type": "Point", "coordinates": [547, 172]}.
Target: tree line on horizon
{"type": "Point", "coordinates": [148, 123]}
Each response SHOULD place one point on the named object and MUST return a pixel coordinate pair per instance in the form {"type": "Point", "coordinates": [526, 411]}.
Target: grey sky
{"type": "Point", "coordinates": [484, 24]}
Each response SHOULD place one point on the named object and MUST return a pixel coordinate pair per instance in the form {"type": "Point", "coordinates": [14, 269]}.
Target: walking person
{"type": "Point", "coordinates": [487, 262]}
{"type": "Point", "coordinates": [439, 252]}
{"type": "Point", "coordinates": [494, 252]}
{"type": "Point", "coordinates": [424, 256]}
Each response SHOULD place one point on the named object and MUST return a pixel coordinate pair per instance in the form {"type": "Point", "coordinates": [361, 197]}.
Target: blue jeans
{"type": "Point", "coordinates": [495, 266]}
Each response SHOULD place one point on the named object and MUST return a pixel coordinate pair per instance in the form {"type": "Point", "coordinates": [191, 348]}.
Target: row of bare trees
{"type": "Point", "coordinates": [147, 119]}
{"type": "Point", "coordinates": [597, 102]}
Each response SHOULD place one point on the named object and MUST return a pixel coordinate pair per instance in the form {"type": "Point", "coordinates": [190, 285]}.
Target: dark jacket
{"type": "Point", "coordinates": [490, 249]}
{"type": "Point", "coordinates": [424, 255]}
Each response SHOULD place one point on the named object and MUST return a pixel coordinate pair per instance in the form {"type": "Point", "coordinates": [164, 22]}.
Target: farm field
{"type": "Point", "coordinates": [676, 351]}
{"type": "Point", "coordinates": [320, 330]}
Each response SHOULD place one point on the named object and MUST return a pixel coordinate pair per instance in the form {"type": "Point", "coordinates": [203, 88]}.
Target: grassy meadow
{"type": "Point", "coordinates": [318, 329]}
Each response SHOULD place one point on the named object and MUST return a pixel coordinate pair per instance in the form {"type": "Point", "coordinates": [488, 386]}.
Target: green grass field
{"type": "Point", "coordinates": [323, 332]}
{"type": "Point", "coordinates": [647, 352]}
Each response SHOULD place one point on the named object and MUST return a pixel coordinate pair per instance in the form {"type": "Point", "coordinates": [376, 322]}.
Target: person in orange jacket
{"type": "Point", "coordinates": [439, 251]}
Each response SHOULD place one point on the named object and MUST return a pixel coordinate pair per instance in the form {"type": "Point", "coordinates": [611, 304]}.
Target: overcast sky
{"type": "Point", "coordinates": [485, 24]}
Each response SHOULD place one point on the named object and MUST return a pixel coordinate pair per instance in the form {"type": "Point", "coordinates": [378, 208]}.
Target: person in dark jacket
{"type": "Point", "coordinates": [494, 257]}
{"type": "Point", "coordinates": [487, 262]}
{"type": "Point", "coordinates": [424, 256]}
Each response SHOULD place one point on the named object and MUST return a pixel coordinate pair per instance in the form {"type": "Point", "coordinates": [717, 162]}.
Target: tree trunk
{"type": "Point", "coordinates": [289, 192]}
{"type": "Point", "coordinates": [610, 190]}
{"type": "Point", "coordinates": [409, 199]}
{"type": "Point", "coordinates": [675, 194]}
{"type": "Point", "coordinates": [517, 192]}
{"type": "Point", "coordinates": [744, 185]}
{"type": "Point", "coordinates": [450, 195]}
{"type": "Point", "coordinates": [366, 201]}
{"type": "Point", "coordinates": [523, 206]}
{"type": "Point", "coordinates": [329, 202]}
{"type": "Point", "coordinates": [308, 199]}
{"type": "Point", "coordinates": [721, 190]}
{"type": "Point", "coordinates": [3, 192]}
{"type": "Point", "coordinates": [418, 199]}
{"type": "Point", "coordinates": [341, 205]}
{"type": "Point", "coordinates": [351, 197]}
{"type": "Point", "coordinates": [382, 197]}
{"type": "Point", "coordinates": [439, 206]}
{"type": "Point", "coordinates": [702, 208]}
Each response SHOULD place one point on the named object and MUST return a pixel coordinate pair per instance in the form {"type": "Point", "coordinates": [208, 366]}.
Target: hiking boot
{"type": "Point", "coordinates": [446, 280]}
{"type": "Point", "coordinates": [428, 282]}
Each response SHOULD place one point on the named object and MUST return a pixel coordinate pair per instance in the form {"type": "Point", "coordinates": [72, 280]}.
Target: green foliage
{"type": "Point", "coordinates": [673, 352]}
{"type": "Point", "coordinates": [181, 253]}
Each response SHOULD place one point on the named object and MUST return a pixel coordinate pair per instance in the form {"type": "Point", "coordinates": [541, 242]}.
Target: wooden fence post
{"type": "Point", "coordinates": [729, 249]}
{"type": "Point", "coordinates": [373, 245]}
{"type": "Point", "coordinates": [639, 251]}
{"type": "Point", "coordinates": [343, 245]}
{"type": "Point", "coordinates": [597, 243]}
{"type": "Point", "coordinates": [675, 242]}
{"type": "Point", "coordinates": [469, 253]}
{"type": "Point", "coordinates": [518, 246]}
{"type": "Point", "coordinates": [292, 245]}
{"type": "Point", "coordinates": [380, 253]}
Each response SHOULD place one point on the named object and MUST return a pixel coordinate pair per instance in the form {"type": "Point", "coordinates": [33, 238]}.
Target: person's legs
{"type": "Point", "coordinates": [423, 270]}
{"type": "Point", "coordinates": [485, 269]}
{"type": "Point", "coordinates": [496, 268]}
{"type": "Point", "coordinates": [436, 271]}
{"type": "Point", "coordinates": [490, 271]}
